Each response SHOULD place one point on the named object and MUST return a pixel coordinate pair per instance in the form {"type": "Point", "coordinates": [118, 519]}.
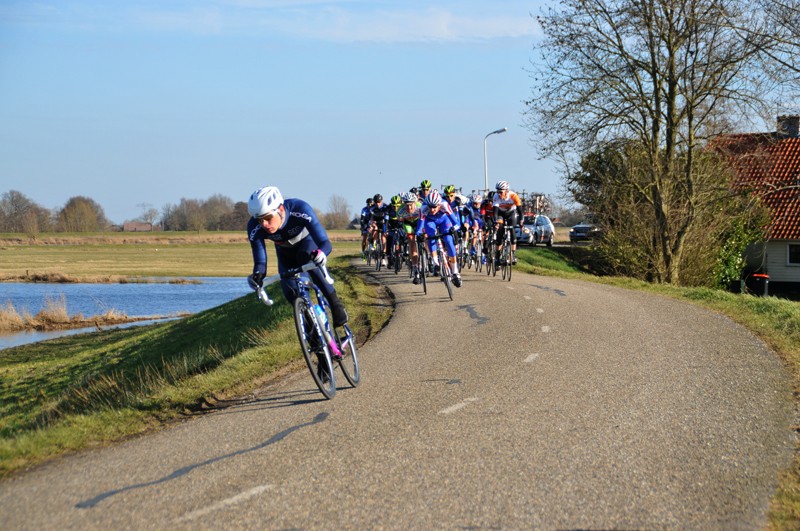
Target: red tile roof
{"type": "Point", "coordinates": [770, 165]}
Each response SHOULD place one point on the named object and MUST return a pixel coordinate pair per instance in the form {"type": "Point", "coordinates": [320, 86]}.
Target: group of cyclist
{"type": "Point", "coordinates": [422, 213]}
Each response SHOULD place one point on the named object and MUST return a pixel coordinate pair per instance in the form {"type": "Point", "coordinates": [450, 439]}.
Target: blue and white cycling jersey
{"type": "Point", "coordinates": [444, 220]}
{"type": "Point", "coordinates": [300, 235]}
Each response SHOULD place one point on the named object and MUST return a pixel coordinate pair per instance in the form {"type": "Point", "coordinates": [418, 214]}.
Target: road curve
{"type": "Point", "coordinates": [536, 403]}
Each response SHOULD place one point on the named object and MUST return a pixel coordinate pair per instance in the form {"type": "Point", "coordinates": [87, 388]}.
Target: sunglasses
{"type": "Point", "coordinates": [450, 195]}
{"type": "Point", "coordinates": [268, 216]}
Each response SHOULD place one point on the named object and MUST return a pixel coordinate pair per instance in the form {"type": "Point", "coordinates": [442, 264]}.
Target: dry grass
{"type": "Point", "coordinates": [54, 316]}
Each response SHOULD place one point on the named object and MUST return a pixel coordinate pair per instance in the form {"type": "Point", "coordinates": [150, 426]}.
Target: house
{"type": "Point", "coordinates": [768, 164]}
{"type": "Point", "coordinates": [137, 226]}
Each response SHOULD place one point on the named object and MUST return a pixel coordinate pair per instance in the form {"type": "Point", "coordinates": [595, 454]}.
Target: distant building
{"type": "Point", "coordinates": [137, 226]}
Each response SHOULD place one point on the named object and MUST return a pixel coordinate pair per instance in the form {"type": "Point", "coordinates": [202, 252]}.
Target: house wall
{"type": "Point", "coordinates": [777, 258]}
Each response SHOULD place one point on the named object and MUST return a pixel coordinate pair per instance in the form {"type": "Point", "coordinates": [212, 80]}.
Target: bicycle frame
{"type": "Point", "coordinates": [334, 347]}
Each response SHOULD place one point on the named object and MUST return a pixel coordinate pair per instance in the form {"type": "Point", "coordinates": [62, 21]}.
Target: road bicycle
{"type": "Point", "coordinates": [422, 258]}
{"type": "Point", "coordinates": [398, 251]}
{"type": "Point", "coordinates": [379, 251]}
{"type": "Point", "coordinates": [445, 273]}
{"type": "Point", "coordinates": [478, 257]}
{"type": "Point", "coordinates": [491, 268]}
{"type": "Point", "coordinates": [506, 256]}
{"type": "Point", "coordinates": [321, 343]}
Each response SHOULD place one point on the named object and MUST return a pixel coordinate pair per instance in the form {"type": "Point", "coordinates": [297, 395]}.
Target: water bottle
{"type": "Point", "coordinates": [323, 317]}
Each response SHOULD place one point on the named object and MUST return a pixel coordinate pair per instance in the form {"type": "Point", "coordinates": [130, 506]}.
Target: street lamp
{"type": "Point", "coordinates": [485, 164]}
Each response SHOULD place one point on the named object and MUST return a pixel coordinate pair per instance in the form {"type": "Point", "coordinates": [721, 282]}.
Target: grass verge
{"type": "Point", "coordinates": [89, 390]}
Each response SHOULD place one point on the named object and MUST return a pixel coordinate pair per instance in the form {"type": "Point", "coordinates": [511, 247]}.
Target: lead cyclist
{"type": "Point", "coordinates": [299, 238]}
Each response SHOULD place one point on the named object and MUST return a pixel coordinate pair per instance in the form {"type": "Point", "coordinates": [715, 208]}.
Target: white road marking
{"type": "Point", "coordinates": [527, 297]}
{"type": "Point", "coordinates": [539, 310]}
{"type": "Point", "coordinates": [531, 358]}
{"type": "Point", "coordinates": [545, 329]}
{"type": "Point", "coordinates": [510, 287]}
{"type": "Point", "coordinates": [242, 496]}
{"type": "Point", "coordinates": [456, 407]}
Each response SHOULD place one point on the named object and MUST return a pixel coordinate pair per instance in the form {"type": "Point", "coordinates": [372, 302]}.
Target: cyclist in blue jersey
{"type": "Point", "coordinates": [364, 221]}
{"type": "Point", "coordinates": [437, 214]}
{"type": "Point", "coordinates": [475, 220]}
{"type": "Point", "coordinates": [299, 238]}
{"type": "Point", "coordinates": [379, 216]}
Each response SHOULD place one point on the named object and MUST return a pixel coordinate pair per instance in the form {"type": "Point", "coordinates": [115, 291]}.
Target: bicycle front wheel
{"type": "Point", "coordinates": [349, 360]}
{"type": "Point", "coordinates": [315, 351]}
{"type": "Point", "coordinates": [446, 273]}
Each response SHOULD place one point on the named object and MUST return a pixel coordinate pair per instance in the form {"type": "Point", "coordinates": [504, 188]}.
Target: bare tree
{"type": "Point", "coordinates": [338, 215]}
{"type": "Point", "coordinates": [214, 209]}
{"type": "Point", "coordinates": [18, 213]}
{"type": "Point", "coordinates": [660, 74]}
{"type": "Point", "coordinates": [82, 214]}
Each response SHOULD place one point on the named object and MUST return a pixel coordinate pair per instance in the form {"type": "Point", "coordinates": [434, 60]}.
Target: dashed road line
{"type": "Point", "coordinates": [228, 502]}
{"type": "Point", "coordinates": [532, 357]}
{"type": "Point", "coordinates": [456, 407]}
{"type": "Point", "coordinates": [545, 329]}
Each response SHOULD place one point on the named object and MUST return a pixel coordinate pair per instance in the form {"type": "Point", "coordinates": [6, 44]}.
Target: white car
{"type": "Point", "coordinates": [538, 229]}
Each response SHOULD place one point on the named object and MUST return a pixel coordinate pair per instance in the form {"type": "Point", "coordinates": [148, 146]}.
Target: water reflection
{"type": "Point", "coordinates": [134, 300]}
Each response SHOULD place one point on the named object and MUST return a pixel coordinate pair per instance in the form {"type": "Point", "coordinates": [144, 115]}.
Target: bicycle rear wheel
{"type": "Point", "coordinates": [378, 254]}
{"type": "Point", "coordinates": [349, 360]}
{"type": "Point", "coordinates": [315, 351]}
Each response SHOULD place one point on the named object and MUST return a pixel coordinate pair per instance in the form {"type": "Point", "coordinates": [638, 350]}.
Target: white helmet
{"type": "Point", "coordinates": [264, 200]}
{"type": "Point", "coordinates": [501, 185]}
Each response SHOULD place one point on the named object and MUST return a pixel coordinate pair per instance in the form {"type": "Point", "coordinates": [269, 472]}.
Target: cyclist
{"type": "Point", "coordinates": [392, 223]}
{"type": "Point", "coordinates": [487, 213]}
{"type": "Point", "coordinates": [408, 215]}
{"type": "Point", "coordinates": [377, 225]}
{"type": "Point", "coordinates": [364, 221]}
{"type": "Point", "coordinates": [424, 189]}
{"type": "Point", "coordinates": [299, 237]}
{"type": "Point", "coordinates": [436, 213]}
{"type": "Point", "coordinates": [474, 220]}
{"type": "Point", "coordinates": [508, 213]}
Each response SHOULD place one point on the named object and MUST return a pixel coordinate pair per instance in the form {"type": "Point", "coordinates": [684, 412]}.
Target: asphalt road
{"type": "Point", "coordinates": [539, 403]}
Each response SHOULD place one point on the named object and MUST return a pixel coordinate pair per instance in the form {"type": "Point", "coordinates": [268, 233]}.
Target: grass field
{"type": "Point", "coordinates": [84, 391]}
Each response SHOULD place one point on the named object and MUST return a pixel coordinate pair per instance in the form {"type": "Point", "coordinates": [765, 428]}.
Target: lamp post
{"type": "Point", "coordinates": [485, 164]}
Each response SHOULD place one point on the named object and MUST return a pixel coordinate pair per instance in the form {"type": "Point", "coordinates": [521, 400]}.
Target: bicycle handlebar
{"type": "Point", "coordinates": [262, 293]}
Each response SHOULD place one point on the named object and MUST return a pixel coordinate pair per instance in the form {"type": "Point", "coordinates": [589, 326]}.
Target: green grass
{"type": "Point", "coordinates": [88, 390]}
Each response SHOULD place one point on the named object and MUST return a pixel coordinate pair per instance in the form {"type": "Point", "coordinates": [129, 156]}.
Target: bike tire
{"type": "Point", "coordinates": [423, 268]}
{"type": "Point", "coordinates": [348, 363]}
{"type": "Point", "coordinates": [446, 273]}
{"type": "Point", "coordinates": [378, 255]}
{"type": "Point", "coordinates": [317, 362]}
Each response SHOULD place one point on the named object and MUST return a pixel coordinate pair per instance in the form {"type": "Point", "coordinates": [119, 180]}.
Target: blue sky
{"type": "Point", "coordinates": [146, 102]}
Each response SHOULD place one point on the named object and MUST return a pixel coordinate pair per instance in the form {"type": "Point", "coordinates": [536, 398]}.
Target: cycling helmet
{"type": "Point", "coordinates": [378, 198]}
{"type": "Point", "coordinates": [264, 200]}
{"type": "Point", "coordinates": [449, 189]}
{"type": "Point", "coordinates": [413, 190]}
{"type": "Point", "coordinates": [370, 201]}
{"type": "Point", "coordinates": [433, 198]}
{"type": "Point", "coordinates": [477, 198]}
{"type": "Point", "coordinates": [396, 200]}
{"type": "Point", "coordinates": [501, 185]}
{"type": "Point", "coordinates": [425, 184]}
{"type": "Point", "coordinates": [409, 197]}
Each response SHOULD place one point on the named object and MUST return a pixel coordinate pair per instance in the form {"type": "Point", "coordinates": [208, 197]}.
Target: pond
{"type": "Point", "coordinates": [133, 299]}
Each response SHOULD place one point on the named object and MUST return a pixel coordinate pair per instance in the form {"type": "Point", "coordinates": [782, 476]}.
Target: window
{"type": "Point", "coordinates": [794, 254]}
